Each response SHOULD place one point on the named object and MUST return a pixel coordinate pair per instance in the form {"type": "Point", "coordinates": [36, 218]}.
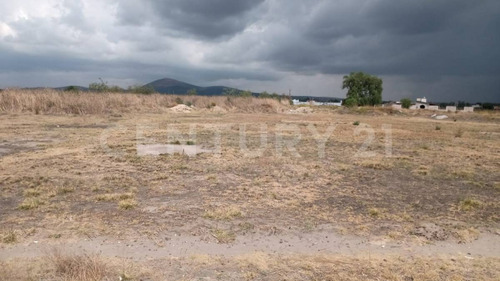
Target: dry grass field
{"type": "Point", "coordinates": [277, 194]}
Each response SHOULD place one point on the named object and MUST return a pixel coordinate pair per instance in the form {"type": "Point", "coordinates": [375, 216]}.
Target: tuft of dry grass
{"type": "Point", "coordinates": [9, 237]}
{"type": "Point", "coordinates": [127, 204]}
{"type": "Point", "coordinates": [108, 197]}
{"type": "Point", "coordinates": [31, 192]}
{"type": "Point", "coordinates": [376, 164]}
{"type": "Point", "coordinates": [422, 171]}
{"type": "Point", "coordinates": [223, 236]}
{"type": "Point", "coordinates": [374, 212]}
{"type": "Point", "coordinates": [466, 235]}
{"type": "Point", "coordinates": [470, 204]}
{"type": "Point", "coordinates": [81, 268]}
{"type": "Point", "coordinates": [223, 213]}
{"type": "Point", "coordinates": [30, 203]}
{"type": "Point", "coordinates": [49, 101]}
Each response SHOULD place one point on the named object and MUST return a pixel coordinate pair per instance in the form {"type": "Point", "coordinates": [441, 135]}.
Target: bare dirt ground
{"type": "Point", "coordinates": [388, 196]}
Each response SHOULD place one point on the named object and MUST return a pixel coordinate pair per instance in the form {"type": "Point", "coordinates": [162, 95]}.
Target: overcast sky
{"type": "Point", "coordinates": [441, 49]}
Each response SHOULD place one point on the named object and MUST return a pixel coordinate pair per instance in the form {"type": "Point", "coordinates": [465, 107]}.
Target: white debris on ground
{"type": "Point", "coordinates": [181, 108]}
{"type": "Point", "coordinates": [439, 117]}
{"type": "Point", "coordinates": [301, 110]}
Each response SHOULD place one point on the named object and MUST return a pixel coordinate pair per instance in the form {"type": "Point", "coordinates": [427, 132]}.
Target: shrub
{"type": "Point", "coordinates": [488, 106]}
{"type": "Point", "coordinates": [178, 100]}
{"type": "Point", "coordinates": [264, 95]}
{"type": "Point", "coordinates": [102, 86]}
{"type": "Point", "coordinates": [145, 90]}
{"type": "Point", "coordinates": [237, 93]}
{"type": "Point", "coordinates": [75, 89]}
{"type": "Point", "coordinates": [350, 102]}
{"type": "Point", "coordinates": [406, 103]}
{"type": "Point", "coordinates": [356, 123]}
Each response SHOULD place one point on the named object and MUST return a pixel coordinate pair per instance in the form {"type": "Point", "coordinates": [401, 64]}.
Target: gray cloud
{"type": "Point", "coordinates": [207, 20]}
{"type": "Point", "coordinates": [441, 49]}
{"type": "Point", "coordinates": [384, 37]}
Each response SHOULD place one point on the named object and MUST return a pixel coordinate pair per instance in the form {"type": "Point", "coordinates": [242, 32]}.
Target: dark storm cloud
{"type": "Point", "coordinates": [39, 65]}
{"type": "Point", "coordinates": [12, 61]}
{"type": "Point", "coordinates": [388, 37]}
{"type": "Point", "coordinates": [441, 48]}
{"type": "Point", "coordinates": [199, 18]}
{"type": "Point", "coordinates": [414, 17]}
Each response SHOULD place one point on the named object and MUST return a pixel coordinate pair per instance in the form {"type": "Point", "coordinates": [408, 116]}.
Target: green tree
{"type": "Point", "coordinates": [245, 94]}
{"type": "Point", "coordinates": [488, 106]}
{"type": "Point", "coordinates": [115, 89]}
{"type": "Point", "coordinates": [192, 92]}
{"type": "Point", "coordinates": [349, 102]}
{"type": "Point", "coordinates": [145, 90]}
{"type": "Point", "coordinates": [231, 92]}
{"type": "Point", "coordinates": [406, 103]}
{"type": "Point", "coordinates": [75, 89]}
{"type": "Point", "coordinates": [362, 89]}
{"type": "Point", "coordinates": [100, 86]}
{"type": "Point", "coordinates": [264, 95]}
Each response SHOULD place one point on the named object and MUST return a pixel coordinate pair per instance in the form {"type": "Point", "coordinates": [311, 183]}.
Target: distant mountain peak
{"type": "Point", "coordinates": [166, 82]}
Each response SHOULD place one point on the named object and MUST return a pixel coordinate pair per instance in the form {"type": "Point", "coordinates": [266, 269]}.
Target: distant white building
{"type": "Point", "coordinates": [468, 109]}
{"type": "Point", "coordinates": [298, 102]}
{"type": "Point", "coordinates": [422, 103]}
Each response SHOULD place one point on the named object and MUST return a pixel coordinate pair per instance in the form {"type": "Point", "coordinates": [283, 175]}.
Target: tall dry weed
{"type": "Point", "coordinates": [49, 101]}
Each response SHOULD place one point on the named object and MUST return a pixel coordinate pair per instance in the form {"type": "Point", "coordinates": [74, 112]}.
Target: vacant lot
{"type": "Point", "coordinates": [329, 195]}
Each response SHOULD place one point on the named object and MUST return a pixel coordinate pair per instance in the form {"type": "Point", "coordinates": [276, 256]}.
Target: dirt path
{"type": "Point", "coordinates": [488, 245]}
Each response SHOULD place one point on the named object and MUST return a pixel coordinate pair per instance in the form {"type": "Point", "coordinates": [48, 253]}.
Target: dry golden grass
{"type": "Point", "coordinates": [31, 203]}
{"type": "Point", "coordinates": [127, 204]}
{"type": "Point", "coordinates": [223, 236]}
{"type": "Point", "coordinates": [79, 268]}
{"type": "Point", "coordinates": [48, 101]}
{"type": "Point", "coordinates": [253, 266]}
{"type": "Point", "coordinates": [60, 179]}
{"type": "Point", "coordinates": [9, 237]}
{"type": "Point", "coordinates": [470, 204]}
{"type": "Point", "coordinates": [427, 176]}
{"type": "Point", "coordinates": [114, 196]}
{"type": "Point", "coordinates": [223, 213]}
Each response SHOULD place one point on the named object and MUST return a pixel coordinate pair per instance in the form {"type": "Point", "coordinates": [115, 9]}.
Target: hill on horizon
{"type": "Point", "coordinates": [172, 86]}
